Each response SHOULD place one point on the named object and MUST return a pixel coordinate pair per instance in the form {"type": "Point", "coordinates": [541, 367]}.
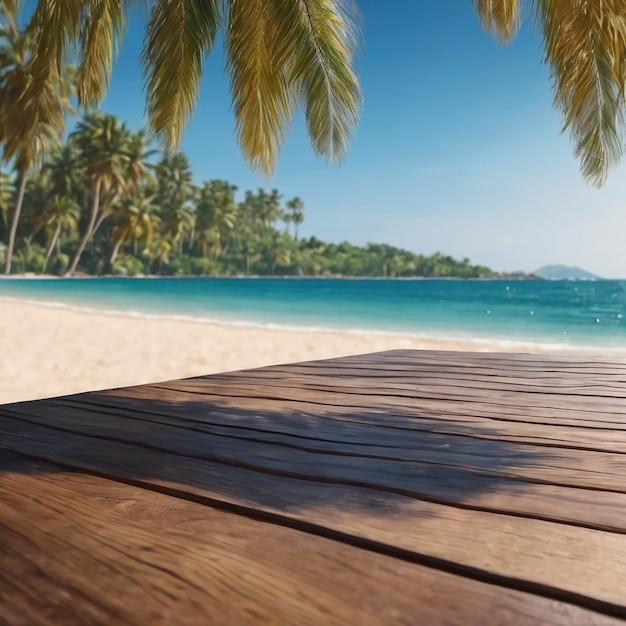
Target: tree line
{"type": "Point", "coordinates": [99, 204]}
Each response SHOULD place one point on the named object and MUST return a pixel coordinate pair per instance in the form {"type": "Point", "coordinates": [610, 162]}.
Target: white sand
{"type": "Point", "coordinates": [46, 352]}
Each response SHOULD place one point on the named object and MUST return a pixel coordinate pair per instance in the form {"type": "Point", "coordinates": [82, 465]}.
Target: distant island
{"type": "Point", "coordinates": [564, 272]}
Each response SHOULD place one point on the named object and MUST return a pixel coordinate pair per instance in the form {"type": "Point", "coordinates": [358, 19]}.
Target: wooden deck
{"type": "Point", "coordinates": [395, 488]}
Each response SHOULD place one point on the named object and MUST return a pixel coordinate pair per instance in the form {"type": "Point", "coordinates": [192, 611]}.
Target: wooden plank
{"type": "Point", "coordinates": [113, 553]}
{"type": "Point", "coordinates": [506, 380]}
{"type": "Point", "coordinates": [371, 433]}
{"type": "Point", "coordinates": [388, 456]}
{"type": "Point", "coordinates": [409, 404]}
{"type": "Point", "coordinates": [464, 358]}
{"type": "Point", "coordinates": [539, 397]}
{"type": "Point", "coordinates": [514, 418]}
{"type": "Point", "coordinates": [385, 390]}
{"type": "Point", "coordinates": [583, 566]}
{"type": "Point", "coordinates": [488, 364]}
{"type": "Point", "coordinates": [503, 469]}
{"type": "Point", "coordinates": [539, 429]}
{"type": "Point", "coordinates": [458, 448]}
{"type": "Point", "coordinates": [588, 469]}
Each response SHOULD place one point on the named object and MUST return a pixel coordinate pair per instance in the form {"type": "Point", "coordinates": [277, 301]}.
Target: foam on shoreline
{"type": "Point", "coordinates": [472, 343]}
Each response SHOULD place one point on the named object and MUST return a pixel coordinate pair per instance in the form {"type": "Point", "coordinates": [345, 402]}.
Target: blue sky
{"type": "Point", "coordinates": [458, 148]}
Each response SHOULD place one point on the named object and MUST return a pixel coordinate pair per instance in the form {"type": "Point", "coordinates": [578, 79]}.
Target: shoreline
{"type": "Point", "coordinates": [50, 351]}
{"type": "Point", "coordinates": [504, 276]}
{"type": "Point", "coordinates": [473, 344]}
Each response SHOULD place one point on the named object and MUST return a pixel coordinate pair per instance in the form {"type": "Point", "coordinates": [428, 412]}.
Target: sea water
{"type": "Point", "coordinates": [560, 313]}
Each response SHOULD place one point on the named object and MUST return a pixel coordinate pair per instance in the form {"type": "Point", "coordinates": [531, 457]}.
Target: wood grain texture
{"type": "Point", "coordinates": [506, 472]}
{"type": "Point", "coordinates": [195, 565]}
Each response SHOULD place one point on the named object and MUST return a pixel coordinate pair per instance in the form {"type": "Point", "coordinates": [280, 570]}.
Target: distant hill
{"type": "Point", "coordinates": [564, 272]}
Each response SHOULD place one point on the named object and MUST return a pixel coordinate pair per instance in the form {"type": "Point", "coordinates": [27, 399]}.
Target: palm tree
{"type": "Point", "coordinates": [6, 198]}
{"type": "Point", "coordinates": [63, 214]}
{"type": "Point", "coordinates": [27, 126]}
{"type": "Point", "coordinates": [279, 252]}
{"type": "Point", "coordinates": [280, 56]}
{"type": "Point", "coordinates": [270, 206]}
{"type": "Point", "coordinates": [137, 218]}
{"type": "Point", "coordinates": [180, 222]}
{"type": "Point", "coordinates": [103, 146]}
{"type": "Point", "coordinates": [262, 206]}
{"type": "Point", "coordinates": [36, 199]}
{"type": "Point", "coordinates": [296, 213]}
{"type": "Point", "coordinates": [585, 47]}
{"type": "Point", "coordinates": [160, 252]}
{"type": "Point", "coordinates": [139, 168]}
{"type": "Point", "coordinates": [216, 215]}
{"type": "Point", "coordinates": [175, 193]}
{"type": "Point", "coordinates": [65, 171]}
{"type": "Point", "coordinates": [136, 212]}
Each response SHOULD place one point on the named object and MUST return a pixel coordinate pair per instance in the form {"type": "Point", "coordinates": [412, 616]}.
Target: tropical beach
{"type": "Point", "coordinates": [49, 352]}
{"type": "Point", "coordinates": [63, 336]}
{"type": "Point", "coordinates": [407, 407]}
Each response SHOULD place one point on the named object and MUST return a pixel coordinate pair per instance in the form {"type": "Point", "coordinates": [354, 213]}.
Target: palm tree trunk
{"type": "Point", "coordinates": [99, 223]}
{"type": "Point", "coordinates": [116, 248]}
{"type": "Point", "coordinates": [226, 247]}
{"type": "Point", "coordinates": [53, 242]}
{"type": "Point", "coordinates": [14, 223]}
{"type": "Point", "coordinates": [88, 232]}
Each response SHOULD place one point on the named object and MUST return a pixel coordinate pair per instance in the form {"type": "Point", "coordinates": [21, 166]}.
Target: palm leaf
{"type": "Point", "coordinates": [179, 36]}
{"type": "Point", "coordinates": [54, 26]}
{"type": "Point", "coordinates": [585, 46]}
{"type": "Point", "coordinates": [500, 18]}
{"type": "Point", "coordinates": [283, 53]}
{"type": "Point", "coordinates": [102, 30]}
{"type": "Point", "coordinates": [331, 88]}
{"type": "Point", "coordinates": [9, 10]}
{"type": "Point", "coordinates": [31, 126]}
{"type": "Point", "coordinates": [39, 116]}
{"type": "Point", "coordinates": [262, 100]}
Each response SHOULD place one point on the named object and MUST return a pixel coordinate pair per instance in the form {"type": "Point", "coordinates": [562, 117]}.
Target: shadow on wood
{"type": "Point", "coordinates": [457, 463]}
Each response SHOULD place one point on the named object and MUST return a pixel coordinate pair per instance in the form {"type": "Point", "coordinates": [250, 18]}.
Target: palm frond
{"type": "Point", "coordinates": [54, 26]}
{"type": "Point", "coordinates": [101, 34]}
{"type": "Point", "coordinates": [8, 11]}
{"type": "Point", "coordinates": [38, 110]}
{"type": "Point", "coordinates": [179, 36]}
{"type": "Point", "coordinates": [263, 101]}
{"type": "Point", "coordinates": [283, 53]}
{"type": "Point", "coordinates": [500, 18]}
{"type": "Point", "coordinates": [34, 124]}
{"type": "Point", "coordinates": [585, 46]}
{"type": "Point", "coordinates": [315, 45]}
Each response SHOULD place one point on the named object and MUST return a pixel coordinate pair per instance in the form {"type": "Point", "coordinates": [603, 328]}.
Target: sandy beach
{"type": "Point", "coordinates": [47, 351]}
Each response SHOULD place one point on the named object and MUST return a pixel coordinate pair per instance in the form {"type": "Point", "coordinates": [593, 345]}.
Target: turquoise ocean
{"type": "Point", "coordinates": [577, 314]}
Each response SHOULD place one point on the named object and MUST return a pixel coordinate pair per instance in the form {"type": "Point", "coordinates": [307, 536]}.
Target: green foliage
{"type": "Point", "coordinates": [30, 258]}
{"type": "Point", "coordinates": [101, 202]}
{"type": "Point", "coordinates": [127, 266]}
